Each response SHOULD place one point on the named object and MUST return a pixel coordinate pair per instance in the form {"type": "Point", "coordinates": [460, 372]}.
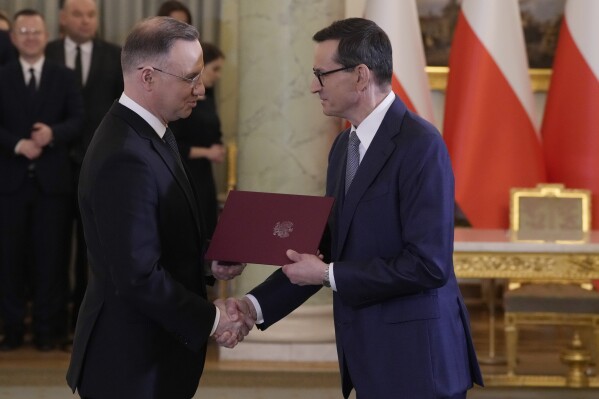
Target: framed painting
{"type": "Point", "coordinates": [541, 20]}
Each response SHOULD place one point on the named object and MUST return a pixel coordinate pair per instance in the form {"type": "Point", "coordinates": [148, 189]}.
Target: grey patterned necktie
{"type": "Point", "coordinates": [169, 138]}
{"type": "Point", "coordinates": [353, 159]}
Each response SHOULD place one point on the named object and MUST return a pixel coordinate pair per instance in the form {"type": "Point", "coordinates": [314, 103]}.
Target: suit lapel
{"type": "Point", "coordinates": [17, 79]}
{"type": "Point", "coordinates": [379, 151]}
{"type": "Point", "coordinates": [94, 67]}
{"type": "Point", "coordinates": [141, 127]}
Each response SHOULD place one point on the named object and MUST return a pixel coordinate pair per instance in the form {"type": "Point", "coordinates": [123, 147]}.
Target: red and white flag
{"type": "Point", "coordinates": [489, 123]}
{"type": "Point", "coordinates": [399, 19]}
{"type": "Point", "coordinates": [571, 120]}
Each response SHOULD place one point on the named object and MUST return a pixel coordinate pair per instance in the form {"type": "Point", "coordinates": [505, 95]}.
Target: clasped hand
{"type": "Point", "coordinates": [41, 136]}
{"type": "Point", "coordinates": [237, 318]}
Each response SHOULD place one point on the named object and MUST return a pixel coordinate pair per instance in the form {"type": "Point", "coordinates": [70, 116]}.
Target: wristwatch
{"type": "Point", "coordinates": [325, 277]}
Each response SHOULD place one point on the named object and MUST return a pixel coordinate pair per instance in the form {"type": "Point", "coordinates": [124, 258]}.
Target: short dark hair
{"type": "Point", "coordinates": [361, 41]}
{"type": "Point", "coordinates": [211, 53]}
{"type": "Point", "coordinates": [27, 12]}
{"type": "Point", "coordinates": [152, 39]}
{"type": "Point", "coordinates": [168, 7]}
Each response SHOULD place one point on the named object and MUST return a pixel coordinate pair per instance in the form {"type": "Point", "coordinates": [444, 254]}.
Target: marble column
{"type": "Point", "coordinates": [283, 140]}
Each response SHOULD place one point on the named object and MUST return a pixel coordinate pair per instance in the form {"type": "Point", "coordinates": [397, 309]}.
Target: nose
{"type": "Point", "coordinates": [199, 89]}
{"type": "Point", "coordinates": [315, 86]}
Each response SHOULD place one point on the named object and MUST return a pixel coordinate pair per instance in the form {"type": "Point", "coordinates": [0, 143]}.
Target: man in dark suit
{"type": "Point", "coordinates": [145, 320]}
{"type": "Point", "coordinates": [41, 111]}
{"type": "Point", "coordinates": [97, 64]}
{"type": "Point", "coordinates": [7, 50]}
{"type": "Point", "coordinates": [402, 329]}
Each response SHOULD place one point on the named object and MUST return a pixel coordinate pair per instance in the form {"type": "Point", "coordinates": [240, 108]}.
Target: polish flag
{"type": "Point", "coordinates": [489, 124]}
{"type": "Point", "coordinates": [571, 122]}
{"type": "Point", "coordinates": [399, 19]}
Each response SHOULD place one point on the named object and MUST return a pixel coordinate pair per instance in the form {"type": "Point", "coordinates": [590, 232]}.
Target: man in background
{"type": "Point", "coordinates": [97, 65]}
{"type": "Point", "coordinates": [40, 115]}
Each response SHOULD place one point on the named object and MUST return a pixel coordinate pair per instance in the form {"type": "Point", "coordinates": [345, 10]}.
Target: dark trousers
{"type": "Point", "coordinates": [33, 235]}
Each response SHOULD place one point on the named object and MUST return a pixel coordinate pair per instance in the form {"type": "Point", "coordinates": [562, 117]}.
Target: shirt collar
{"type": "Point", "coordinates": [369, 126]}
{"type": "Point", "coordinates": [146, 115]}
{"type": "Point", "coordinates": [70, 45]}
{"type": "Point", "coordinates": [37, 66]}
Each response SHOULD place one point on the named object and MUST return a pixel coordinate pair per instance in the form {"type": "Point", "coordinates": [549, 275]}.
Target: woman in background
{"type": "Point", "coordinates": [200, 139]}
{"type": "Point", "coordinates": [199, 136]}
{"type": "Point", "coordinates": [175, 9]}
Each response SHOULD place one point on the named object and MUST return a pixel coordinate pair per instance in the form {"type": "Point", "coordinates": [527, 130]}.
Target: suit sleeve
{"type": "Point", "coordinates": [278, 297]}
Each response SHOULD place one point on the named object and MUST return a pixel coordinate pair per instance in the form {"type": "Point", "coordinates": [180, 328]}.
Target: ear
{"type": "Point", "coordinates": [147, 78]}
{"type": "Point", "coordinates": [364, 77]}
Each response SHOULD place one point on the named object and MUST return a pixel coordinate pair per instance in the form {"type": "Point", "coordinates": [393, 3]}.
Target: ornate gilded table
{"type": "Point", "coordinates": [492, 254]}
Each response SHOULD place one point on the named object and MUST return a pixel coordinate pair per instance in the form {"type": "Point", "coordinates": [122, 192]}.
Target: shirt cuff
{"type": "Point", "coordinates": [17, 147]}
{"type": "Point", "coordinates": [332, 277]}
{"type": "Point", "coordinates": [216, 320]}
{"type": "Point", "coordinates": [259, 316]}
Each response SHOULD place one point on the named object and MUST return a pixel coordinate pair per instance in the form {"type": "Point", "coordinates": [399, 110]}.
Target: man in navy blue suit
{"type": "Point", "coordinates": [41, 112]}
{"type": "Point", "coordinates": [402, 328]}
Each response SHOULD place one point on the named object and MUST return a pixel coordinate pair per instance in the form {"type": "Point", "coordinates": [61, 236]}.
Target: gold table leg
{"type": "Point", "coordinates": [492, 357]}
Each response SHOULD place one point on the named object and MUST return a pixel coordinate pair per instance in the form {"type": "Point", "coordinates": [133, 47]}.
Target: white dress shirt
{"type": "Point", "coordinates": [366, 132]}
{"type": "Point", "coordinates": [70, 51]}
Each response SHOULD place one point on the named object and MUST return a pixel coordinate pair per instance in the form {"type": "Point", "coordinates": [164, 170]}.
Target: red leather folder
{"type": "Point", "coordinates": [257, 227]}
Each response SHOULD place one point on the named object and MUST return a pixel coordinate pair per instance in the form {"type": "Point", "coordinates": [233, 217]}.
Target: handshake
{"type": "Point", "coordinates": [237, 318]}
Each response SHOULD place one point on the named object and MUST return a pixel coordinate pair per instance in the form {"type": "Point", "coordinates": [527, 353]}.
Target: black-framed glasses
{"type": "Point", "coordinates": [320, 74]}
{"type": "Point", "coordinates": [192, 81]}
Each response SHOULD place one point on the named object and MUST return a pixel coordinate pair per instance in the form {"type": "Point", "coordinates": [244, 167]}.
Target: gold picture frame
{"type": "Point", "coordinates": [437, 78]}
{"type": "Point", "coordinates": [550, 213]}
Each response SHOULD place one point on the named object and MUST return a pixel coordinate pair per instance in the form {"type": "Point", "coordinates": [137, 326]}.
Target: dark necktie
{"type": "Point", "coordinates": [32, 85]}
{"type": "Point", "coordinates": [353, 159]}
{"type": "Point", "coordinates": [169, 138]}
{"type": "Point", "coordinates": [78, 67]}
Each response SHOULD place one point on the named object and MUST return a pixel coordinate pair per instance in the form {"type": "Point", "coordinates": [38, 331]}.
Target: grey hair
{"type": "Point", "coordinates": [152, 40]}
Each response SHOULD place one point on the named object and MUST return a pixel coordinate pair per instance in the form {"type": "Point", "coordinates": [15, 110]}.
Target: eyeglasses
{"type": "Point", "coordinates": [320, 74]}
{"type": "Point", "coordinates": [23, 31]}
{"type": "Point", "coordinates": [192, 81]}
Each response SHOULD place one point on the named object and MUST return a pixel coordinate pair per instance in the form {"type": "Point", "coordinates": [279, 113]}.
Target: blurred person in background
{"type": "Point", "coordinates": [200, 138]}
{"type": "Point", "coordinates": [41, 112]}
{"type": "Point", "coordinates": [97, 64]}
{"type": "Point", "coordinates": [175, 9]}
{"type": "Point", "coordinates": [7, 50]}
{"type": "Point", "coordinates": [4, 21]}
